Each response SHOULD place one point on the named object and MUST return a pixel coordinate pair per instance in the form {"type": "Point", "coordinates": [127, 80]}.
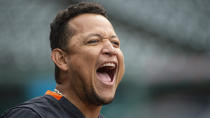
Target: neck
{"type": "Point", "coordinates": [88, 110]}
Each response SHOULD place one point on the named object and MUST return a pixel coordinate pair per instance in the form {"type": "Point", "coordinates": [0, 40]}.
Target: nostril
{"type": "Point", "coordinates": [109, 52]}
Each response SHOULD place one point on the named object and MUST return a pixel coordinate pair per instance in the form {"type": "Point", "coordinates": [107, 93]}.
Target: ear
{"type": "Point", "coordinates": [59, 57]}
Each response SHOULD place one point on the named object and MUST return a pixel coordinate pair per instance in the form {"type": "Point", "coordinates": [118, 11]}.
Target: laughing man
{"type": "Point", "coordinates": [89, 65]}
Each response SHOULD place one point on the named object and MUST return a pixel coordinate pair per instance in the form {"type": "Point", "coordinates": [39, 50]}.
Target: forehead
{"type": "Point", "coordinates": [89, 22]}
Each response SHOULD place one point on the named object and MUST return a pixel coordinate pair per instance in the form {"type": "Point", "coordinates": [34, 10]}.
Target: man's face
{"type": "Point", "coordinates": [96, 63]}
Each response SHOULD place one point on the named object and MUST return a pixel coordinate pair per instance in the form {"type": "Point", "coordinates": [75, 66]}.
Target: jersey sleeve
{"type": "Point", "coordinates": [21, 113]}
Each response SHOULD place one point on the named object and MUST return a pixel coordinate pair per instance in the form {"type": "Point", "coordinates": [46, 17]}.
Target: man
{"type": "Point", "coordinates": [89, 66]}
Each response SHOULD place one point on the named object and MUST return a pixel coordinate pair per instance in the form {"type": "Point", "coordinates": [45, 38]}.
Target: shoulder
{"type": "Point", "coordinates": [21, 112]}
{"type": "Point", "coordinates": [33, 108]}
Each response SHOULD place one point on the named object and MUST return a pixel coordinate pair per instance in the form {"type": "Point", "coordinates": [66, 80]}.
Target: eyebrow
{"type": "Point", "coordinates": [100, 36]}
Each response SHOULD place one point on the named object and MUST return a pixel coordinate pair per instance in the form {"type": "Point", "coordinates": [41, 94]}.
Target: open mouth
{"type": "Point", "coordinates": [106, 72]}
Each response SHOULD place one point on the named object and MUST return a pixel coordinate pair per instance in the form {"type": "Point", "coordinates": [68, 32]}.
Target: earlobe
{"type": "Point", "coordinates": [59, 58]}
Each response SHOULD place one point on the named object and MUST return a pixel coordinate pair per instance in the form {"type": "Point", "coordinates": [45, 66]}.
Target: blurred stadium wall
{"type": "Point", "coordinates": [166, 44]}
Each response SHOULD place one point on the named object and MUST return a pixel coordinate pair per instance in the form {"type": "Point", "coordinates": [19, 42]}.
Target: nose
{"type": "Point", "coordinates": [109, 49]}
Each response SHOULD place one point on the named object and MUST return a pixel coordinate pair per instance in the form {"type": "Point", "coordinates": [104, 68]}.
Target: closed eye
{"type": "Point", "coordinates": [93, 41]}
{"type": "Point", "coordinates": [116, 43]}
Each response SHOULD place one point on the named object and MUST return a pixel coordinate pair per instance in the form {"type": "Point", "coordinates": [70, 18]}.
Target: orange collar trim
{"type": "Point", "coordinates": [54, 94]}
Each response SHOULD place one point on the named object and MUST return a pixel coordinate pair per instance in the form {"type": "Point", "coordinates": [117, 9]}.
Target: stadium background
{"type": "Point", "coordinates": [166, 44]}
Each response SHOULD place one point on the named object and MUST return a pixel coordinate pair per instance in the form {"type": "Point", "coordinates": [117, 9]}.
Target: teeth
{"type": "Point", "coordinates": [109, 64]}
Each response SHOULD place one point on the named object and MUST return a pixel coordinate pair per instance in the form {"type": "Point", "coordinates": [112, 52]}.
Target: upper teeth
{"type": "Point", "coordinates": [109, 64]}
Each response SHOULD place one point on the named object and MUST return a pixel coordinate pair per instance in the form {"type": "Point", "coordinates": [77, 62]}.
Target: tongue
{"type": "Point", "coordinates": [104, 77]}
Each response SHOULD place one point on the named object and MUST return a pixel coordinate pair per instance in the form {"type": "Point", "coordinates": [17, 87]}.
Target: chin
{"type": "Point", "coordinates": [108, 101]}
{"type": "Point", "coordinates": [104, 99]}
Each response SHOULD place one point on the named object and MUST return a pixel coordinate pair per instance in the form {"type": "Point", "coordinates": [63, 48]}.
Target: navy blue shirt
{"type": "Point", "coordinates": [51, 105]}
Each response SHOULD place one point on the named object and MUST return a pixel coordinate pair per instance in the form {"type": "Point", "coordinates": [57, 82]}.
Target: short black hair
{"type": "Point", "coordinates": [61, 32]}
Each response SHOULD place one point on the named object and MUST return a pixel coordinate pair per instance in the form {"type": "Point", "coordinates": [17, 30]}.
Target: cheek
{"type": "Point", "coordinates": [79, 72]}
{"type": "Point", "coordinates": [122, 65]}
{"type": "Point", "coordinates": [84, 61]}
{"type": "Point", "coordinates": [90, 56]}
{"type": "Point", "coordinates": [120, 57]}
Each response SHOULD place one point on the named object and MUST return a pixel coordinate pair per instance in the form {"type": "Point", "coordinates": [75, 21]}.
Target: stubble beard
{"type": "Point", "coordinates": [94, 98]}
